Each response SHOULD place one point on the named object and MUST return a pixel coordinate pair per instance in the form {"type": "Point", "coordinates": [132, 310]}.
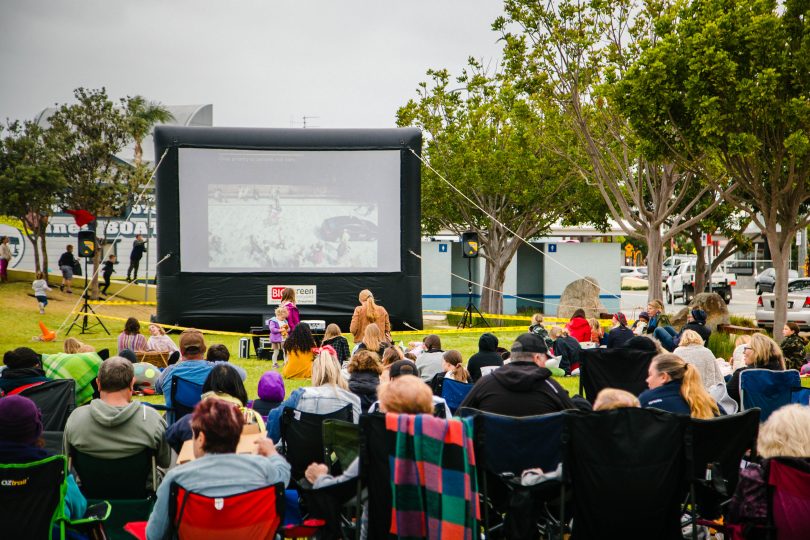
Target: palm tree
{"type": "Point", "coordinates": [142, 115]}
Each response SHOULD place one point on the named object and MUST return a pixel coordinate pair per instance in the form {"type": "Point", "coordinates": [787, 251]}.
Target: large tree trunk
{"type": "Point", "coordinates": [701, 278]}
{"type": "Point", "coordinates": [43, 223]}
{"type": "Point", "coordinates": [500, 248]}
{"type": "Point", "coordinates": [779, 244]}
{"type": "Point", "coordinates": [655, 262]}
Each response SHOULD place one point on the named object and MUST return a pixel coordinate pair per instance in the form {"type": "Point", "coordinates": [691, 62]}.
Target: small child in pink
{"type": "Point", "coordinates": [278, 332]}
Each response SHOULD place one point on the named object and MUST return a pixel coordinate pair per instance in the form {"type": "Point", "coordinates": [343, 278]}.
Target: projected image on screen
{"type": "Point", "coordinates": [325, 211]}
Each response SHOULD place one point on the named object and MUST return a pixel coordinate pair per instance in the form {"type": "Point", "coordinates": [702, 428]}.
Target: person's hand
{"type": "Point", "coordinates": [315, 471]}
{"type": "Point", "coordinates": [266, 447]}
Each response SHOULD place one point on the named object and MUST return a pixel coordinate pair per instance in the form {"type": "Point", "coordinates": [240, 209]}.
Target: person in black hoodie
{"type": "Point", "coordinates": [523, 387]}
{"type": "Point", "coordinates": [365, 369]}
{"type": "Point", "coordinates": [23, 367]}
{"type": "Point", "coordinates": [487, 355]}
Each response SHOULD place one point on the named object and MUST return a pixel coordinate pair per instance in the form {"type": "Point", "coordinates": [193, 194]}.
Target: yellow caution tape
{"type": "Point", "coordinates": [123, 303]}
{"type": "Point", "coordinates": [477, 330]}
{"type": "Point", "coordinates": [173, 327]}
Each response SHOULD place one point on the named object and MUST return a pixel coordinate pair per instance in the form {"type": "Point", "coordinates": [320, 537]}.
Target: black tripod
{"type": "Point", "coordinates": [467, 318]}
{"type": "Point", "coordinates": [86, 310]}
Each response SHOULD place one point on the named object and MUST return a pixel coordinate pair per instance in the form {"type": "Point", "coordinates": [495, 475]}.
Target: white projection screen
{"type": "Point", "coordinates": [312, 211]}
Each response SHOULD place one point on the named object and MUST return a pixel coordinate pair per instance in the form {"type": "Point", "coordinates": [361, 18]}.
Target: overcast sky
{"type": "Point", "coordinates": [260, 63]}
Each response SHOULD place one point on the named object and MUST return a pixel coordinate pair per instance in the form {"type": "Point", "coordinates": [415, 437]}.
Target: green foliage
{"type": "Point", "coordinates": [721, 345]}
{"type": "Point", "coordinates": [739, 320]}
{"type": "Point", "coordinates": [142, 115]}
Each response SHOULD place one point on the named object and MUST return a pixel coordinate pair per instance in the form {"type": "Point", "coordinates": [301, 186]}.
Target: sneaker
{"type": "Point", "coordinates": [275, 365]}
{"type": "Point", "coordinates": [42, 311]}
{"type": "Point", "coordinates": [61, 288]}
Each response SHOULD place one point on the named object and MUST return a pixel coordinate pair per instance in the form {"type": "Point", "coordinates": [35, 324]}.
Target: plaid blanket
{"type": "Point", "coordinates": [81, 367]}
{"type": "Point", "coordinates": [434, 486]}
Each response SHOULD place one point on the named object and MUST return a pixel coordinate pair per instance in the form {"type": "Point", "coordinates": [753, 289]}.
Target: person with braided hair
{"type": "Point", "coordinates": [676, 387]}
{"type": "Point", "coordinates": [366, 313]}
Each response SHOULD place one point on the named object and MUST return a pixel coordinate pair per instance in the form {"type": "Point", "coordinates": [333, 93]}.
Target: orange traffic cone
{"type": "Point", "coordinates": [47, 335]}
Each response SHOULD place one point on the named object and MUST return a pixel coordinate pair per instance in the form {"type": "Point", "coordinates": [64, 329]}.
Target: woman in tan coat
{"type": "Point", "coordinates": [366, 313]}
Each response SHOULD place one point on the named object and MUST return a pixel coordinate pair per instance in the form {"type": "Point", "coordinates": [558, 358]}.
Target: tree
{"type": "Point", "coordinates": [142, 116]}
{"type": "Point", "coordinates": [485, 137]}
{"type": "Point", "coordinates": [574, 52]}
{"type": "Point", "coordinates": [85, 137]}
{"type": "Point", "coordinates": [31, 183]}
{"type": "Point", "coordinates": [732, 77]}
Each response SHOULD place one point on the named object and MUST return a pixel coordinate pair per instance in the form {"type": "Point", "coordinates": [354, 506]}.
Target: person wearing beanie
{"type": "Point", "coordinates": [695, 320]}
{"type": "Point", "coordinates": [23, 367]}
{"type": "Point", "coordinates": [20, 442]}
{"type": "Point", "coordinates": [271, 393]}
{"type": "Point", "coordinates": [620, 334]}
{"type": "Point", "coordinates": [114, 426]}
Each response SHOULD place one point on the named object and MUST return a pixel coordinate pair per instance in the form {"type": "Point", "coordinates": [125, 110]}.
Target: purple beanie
{"type": "Point", "coordinates": [271, 387]}
{"type": "Point", "coordinates": [20, 420]}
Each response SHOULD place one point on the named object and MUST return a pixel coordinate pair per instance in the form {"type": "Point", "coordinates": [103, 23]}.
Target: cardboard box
{"type": "Point", "coordinates": [246, 446]}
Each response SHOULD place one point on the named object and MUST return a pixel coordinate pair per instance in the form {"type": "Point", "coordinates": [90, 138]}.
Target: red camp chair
{"type": "Point", "coordinates": [789, 479]}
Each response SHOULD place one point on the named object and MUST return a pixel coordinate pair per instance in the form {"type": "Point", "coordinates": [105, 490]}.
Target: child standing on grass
{"type": "Point", "coordinates": [41, 289]}
{"type": "Point", "coordinates": [278, 332]}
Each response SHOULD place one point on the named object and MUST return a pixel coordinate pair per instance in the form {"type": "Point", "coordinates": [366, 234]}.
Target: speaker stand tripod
{"type": "Point", "coordinates": [85, 312]}
{"type": "Point", "coordinates": [467, 318]}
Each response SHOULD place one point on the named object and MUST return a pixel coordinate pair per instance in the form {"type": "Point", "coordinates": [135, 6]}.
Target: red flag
{"type": "Point", "coordinates": [82, 217]}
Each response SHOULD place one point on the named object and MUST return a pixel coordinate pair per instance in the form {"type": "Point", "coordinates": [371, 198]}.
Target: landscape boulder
{"type": "Point", "coordinates": [714, 306]}
{"type": "Point", "coordinates": [582, 293]}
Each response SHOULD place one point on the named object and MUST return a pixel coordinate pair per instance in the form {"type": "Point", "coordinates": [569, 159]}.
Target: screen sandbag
{"type": "Point", "coordinates": [289, 211]}
{"type": "Point", "coordinates": [240, 210]}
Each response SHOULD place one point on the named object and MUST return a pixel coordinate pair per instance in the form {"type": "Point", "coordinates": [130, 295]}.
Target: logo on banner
{"type": "Point", "coordinates": [304, 294]}
{"type": "Point", "coordinates": [16, 243]}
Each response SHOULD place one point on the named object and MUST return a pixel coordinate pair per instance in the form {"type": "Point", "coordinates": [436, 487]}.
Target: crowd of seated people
{"type": "Point", "coordinates": [377, 377]}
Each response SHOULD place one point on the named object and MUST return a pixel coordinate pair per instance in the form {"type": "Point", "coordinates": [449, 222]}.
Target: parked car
{"type": "Point", "coordinates": [798, 305]}
{"type": "Point", "coordinates": [681, 283]}
{"type": "Point", "coordinates": [631, 271]}
{"type": "Point", "coordinates": [644, 271]}
{"type": "Point", "coordinates": [764, 282]}
{"type": "Point", "coordinates": [672, 263]}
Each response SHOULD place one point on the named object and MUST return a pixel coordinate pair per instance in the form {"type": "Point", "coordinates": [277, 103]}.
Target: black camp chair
{"type": "Point", "coordinates": [56, 400]}
{"type": "Point", "coordinates": [613, 368]}
{"type": "Point", "coordinates": [505, 446]}
{"type": "Point", "coordinates": [32, 501]}
{"type": "Point", "coordinates": [375, 472]}
{"type": "Point", "coordinates": [302, 437]}
{"type": "Point", "coordinates": [123, 482]}
{"type": "Point", "coordinates": [627, 471]}
{"type": "Point", "coordinates": [714, 449]}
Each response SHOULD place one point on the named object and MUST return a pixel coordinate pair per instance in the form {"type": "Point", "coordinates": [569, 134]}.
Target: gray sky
{"type": "Point", "coordinates": [260, 62]}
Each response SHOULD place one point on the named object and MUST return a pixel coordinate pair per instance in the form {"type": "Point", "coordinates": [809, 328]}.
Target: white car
{"type": "Point", "coordinates": [681, 284]}
{"type": "Point", "coordinates": [632, 271]}
{"type": "Point", "coordinates": [798, 305]}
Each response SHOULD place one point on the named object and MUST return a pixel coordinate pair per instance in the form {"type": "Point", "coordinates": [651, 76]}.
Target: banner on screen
{"type": "Point", "coordinates": [304, 294]}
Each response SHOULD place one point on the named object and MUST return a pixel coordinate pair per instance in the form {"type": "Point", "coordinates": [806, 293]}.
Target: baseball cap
{"type": "Point", "coordinates": [529, 343]}
{"type": "Point", "coordinates": [403, 367]}
{"type": "Point", "coordinates": [192, 342]}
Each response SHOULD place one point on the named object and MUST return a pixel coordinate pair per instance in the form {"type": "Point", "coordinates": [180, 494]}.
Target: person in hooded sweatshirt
{"type": "Point", "coordinates": [114, 426]}
{"type": "Point", "coordinates": [578, 327]}
{"type": "Point", "coordinates": [486, 356]}
{"type": "Point", "coordinates": [23, 367]}
{"type": "Point", "coordinates": [523, 387]}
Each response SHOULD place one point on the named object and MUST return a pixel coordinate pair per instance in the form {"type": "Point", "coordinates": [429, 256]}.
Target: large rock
{"type": "Point", "coordinates": [714, 306]}
{"type": "Point", "coordinates": [582, 293]}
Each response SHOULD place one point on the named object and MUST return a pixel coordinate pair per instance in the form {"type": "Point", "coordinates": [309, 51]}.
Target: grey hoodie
{"type": "Point", "coordinates": [106, 432]}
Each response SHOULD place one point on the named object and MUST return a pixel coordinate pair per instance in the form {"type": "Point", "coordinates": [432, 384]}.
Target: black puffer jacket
{"type": "Point", "coordinates": [364, 385]}
{"type": "Point", "coordinates": [486, 356]}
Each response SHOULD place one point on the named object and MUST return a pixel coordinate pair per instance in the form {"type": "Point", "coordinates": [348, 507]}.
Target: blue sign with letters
{"type": "Point", "coordinates": [442, 248]}
{"type": "Point", "coordinates": [552, 248]}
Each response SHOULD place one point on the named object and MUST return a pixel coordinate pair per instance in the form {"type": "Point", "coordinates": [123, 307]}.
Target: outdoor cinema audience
{"type": "Point", "coordinates": [793, 346]}
{"type": "Point", "coordinates": [333, 337]}
{"type": "Point", "coordinates": [620, 334]}
{"type": "Point", "coordinates": [23, 367]}
{"type": "Point", "coordinates": [676, 387]}
{"type": "Point", "coordinates": [578, 327]}
{"type": "Point", "coordinates": [692, 350]}
{"type": "Point", "coordinates": [523, 387]}
{"type": "Point", "coordinates": [158, 340]}
{"type": "Point", "coordinates": [364, 370]}
{"type": "Point", "coordinates": [298, 352]}
{"type": "Point", "coordinates": [131, 337]}
{"type": "Point", "coordinates": [670, 338]}
{"type": "Point", "coordinates": [113, 426]}
{"type": "Point", "coordinates": [761, 352]}
{"type": "Point", "coordinates": [613, 398]}
{"type": "Point", "coordinates": [429, 362]}
{"type": "Point", "coordinates": [270, 391]}
{"type": "Point", "coordinates": [452, 369]}
{"type": "Point", "coordinates": [217, 471]}
{"type": "Point", "coordinates": [366, 313]}
{"type": "Point", "coordinates": [373, 340]}
{"type": "Point", "coordinates": [487, 355]}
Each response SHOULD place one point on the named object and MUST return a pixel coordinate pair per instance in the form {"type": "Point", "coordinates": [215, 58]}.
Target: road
{"type": "Point", "coordinates": [743, 303]}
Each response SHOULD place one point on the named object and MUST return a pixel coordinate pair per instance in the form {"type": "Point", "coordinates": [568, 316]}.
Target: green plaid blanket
{"type": "Point", "coordinates": [81, 367]}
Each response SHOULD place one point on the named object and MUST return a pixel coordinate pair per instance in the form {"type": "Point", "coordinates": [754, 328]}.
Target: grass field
{"type": "Point", "coordinates": [19, 318]}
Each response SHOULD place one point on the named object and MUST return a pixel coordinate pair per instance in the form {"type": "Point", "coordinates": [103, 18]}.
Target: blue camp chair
{"type": "Point", "coordinates": [454, 393]}
{"type": "Point", "coordinates": [800, 396]}
{"type": "Point", "coordinates": [768, 390]}
{"type": "Point", "coordinates": [185, 396]}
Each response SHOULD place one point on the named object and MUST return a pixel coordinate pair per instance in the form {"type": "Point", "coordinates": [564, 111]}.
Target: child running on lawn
{"type": "Point", "coordinates": [41, 289]}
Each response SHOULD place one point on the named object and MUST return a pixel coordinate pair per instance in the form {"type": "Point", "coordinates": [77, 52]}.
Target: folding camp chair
{"type": "Point", "coordinates": [714, 449]}
{"type": "Point", "coordinates": [789, 504]}
{"type": "Point", "coordinates": [626, 468]}
{"type": "Point", "coordinates": [32, 500]}
{"type": "Point", "coordinates": [768, 390]}
{"type": "Point", "coordinates": [56, 400]}
{"type": "Point", "coordinates": [302, 437]}
{"type": "Point", "coordinates": [800, 396]}
{"type": "Point", "coordinates": [127, 483]}
{"type": "Point", "coordinates": [505, 446]}
{"type": "Point", "coordinates": [613, 368]}
{"type": "Point", "coordinates": [341, 444]}
{"type": "Point", "coordinates": [454, 393]}
{"type": "Point", "coordinates": [375, 472]}
{"type": "Point", "coordinates": [185, 395]}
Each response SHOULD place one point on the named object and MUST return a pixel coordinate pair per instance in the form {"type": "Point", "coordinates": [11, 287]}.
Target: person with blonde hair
{"type": "Point", "coordinates": [329, 393]}
{"type": "Point", "coordinates": [786, 433]}
{"type": "Point", "coordinates": [373, 340]}
{"type": "Point", "coordinates": [73, 346]}
{"type": "Point", "coordinates": [761, 353]}
{"type": "Point", "coordinates": [614, 398]}
{"type": "Point", "coordinates": [597, 332]}
{"type": "Point", "coordinates": [566, 350]}
{"type": "Point", "coordinates": [693, 351]}
{"type": "Point", "coordinates": [676, 386]}
{"type": "Point", "coordinates": [332, 336]}
{"type": "Point", "coordinates": [392, 354]}
{"type": "Point", "coordinates": [159, 341]}
{"type": "Point", "coordinates": [738, 356]}
{"type": "Point", "coordinates": [452, 369]}
{"type": "Point", "coordinates": [656, 316]}
{"type": "Point", "coordinates": [366, 313]}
